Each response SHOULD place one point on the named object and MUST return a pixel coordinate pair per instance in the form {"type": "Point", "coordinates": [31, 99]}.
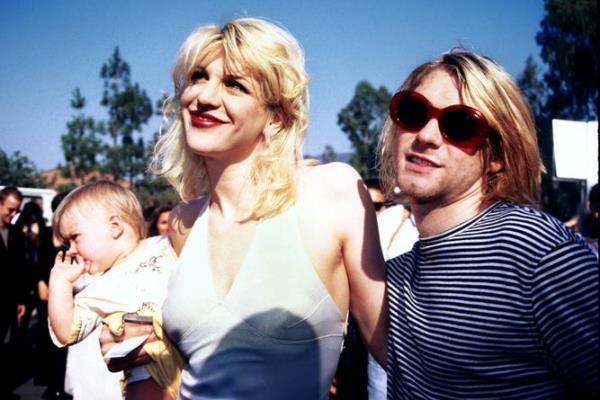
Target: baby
{"type": "Point", "coordinates": [124, 276]}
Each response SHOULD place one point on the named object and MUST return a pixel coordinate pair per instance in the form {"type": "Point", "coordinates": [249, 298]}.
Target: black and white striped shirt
{"type": "Point", "coordinates": [504, 305]}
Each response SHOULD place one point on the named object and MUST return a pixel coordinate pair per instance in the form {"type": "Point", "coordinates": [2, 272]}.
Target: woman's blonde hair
{"type": "Point", "coordinates": [107, 195]}
{"type": "Point", "coordinates": [274, 58]}
{"type": "Point", "coordinates": [484, 85]}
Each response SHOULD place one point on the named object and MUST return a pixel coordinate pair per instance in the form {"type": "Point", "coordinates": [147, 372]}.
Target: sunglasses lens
{"type": "Point", "coordinates": [411, 113]}
{"type": "Point", "coordinates": [460, 125]}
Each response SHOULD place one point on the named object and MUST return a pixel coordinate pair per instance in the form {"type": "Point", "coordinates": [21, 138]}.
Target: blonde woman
{"type": "Point", "coordinates": [274, 250]}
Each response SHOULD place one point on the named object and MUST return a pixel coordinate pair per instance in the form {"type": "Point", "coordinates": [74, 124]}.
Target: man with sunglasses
{"type": "Point", "coordinates": [497, 299]}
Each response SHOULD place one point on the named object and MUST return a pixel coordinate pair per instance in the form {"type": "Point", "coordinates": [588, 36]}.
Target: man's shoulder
{"type": "Point", "coordinates": [510, 214]}
{"type": "Point", "coordinates": [529, 225]}
{"type": "Point", "coordinates": [408, 257]}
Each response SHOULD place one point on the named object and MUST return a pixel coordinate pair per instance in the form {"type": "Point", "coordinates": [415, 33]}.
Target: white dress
{"type": "Point", "coordinates": [86, 376]}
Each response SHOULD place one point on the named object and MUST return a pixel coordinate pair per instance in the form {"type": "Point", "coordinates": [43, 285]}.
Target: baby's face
{"type": "Point", "coordinates": [89, 235]}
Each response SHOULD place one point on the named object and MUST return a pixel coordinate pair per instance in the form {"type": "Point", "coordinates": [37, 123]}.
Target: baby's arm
{"type": "Point", "coordinates": [60, 301]}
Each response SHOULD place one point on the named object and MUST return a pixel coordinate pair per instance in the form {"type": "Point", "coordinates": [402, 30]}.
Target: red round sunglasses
{"type": "Point", "coordinates": [461, 125]}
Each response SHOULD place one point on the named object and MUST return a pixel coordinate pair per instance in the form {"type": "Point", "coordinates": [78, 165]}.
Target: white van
{"type": "Point", "coordinates": [41, 196]}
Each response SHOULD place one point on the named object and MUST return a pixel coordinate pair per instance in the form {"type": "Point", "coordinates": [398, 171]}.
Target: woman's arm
{"type": "Point", "coordinates": [365, 266]}
{"type": "Point", "coordinates": [137, 356]}
{"type": "Point", "coordinates": [338, 203]}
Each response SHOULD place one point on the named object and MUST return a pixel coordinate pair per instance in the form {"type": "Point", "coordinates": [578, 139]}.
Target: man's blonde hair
{"type": "Point", "coordinates": [107, 195]}
{"type": "Point", "coordinates": [274, 58]}
{"type": "Point", "coordinates": [484, 85]}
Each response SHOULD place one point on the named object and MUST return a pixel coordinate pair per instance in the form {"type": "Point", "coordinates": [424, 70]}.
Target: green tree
{"type": "Point", "coordinates": [328, 155]}
{"type": "Point", "coordinates": [152, 190]}
{"type": "Point", "coordinates": [568, 89]}
{"type": "Point", "coordinates": [535, 91]}
{"type": "Point", "coordinates": [570, 48]}
{"type": "Point", "coordinates": [362, 120]}
{"type": "Point", "coordinates": [81, 146]}
{"type": "Point", "coordinates": [129, 109]}
{"type": "Point", "coordinates": [533, 88]}
{"type": "Point", "coordinates": [18, 170]}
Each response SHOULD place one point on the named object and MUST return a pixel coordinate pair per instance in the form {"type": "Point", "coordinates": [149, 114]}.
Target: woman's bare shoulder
{"type": "Point", "coordinates": [182, 218]}
{"type": "Point", "coordinates": [335, 178]}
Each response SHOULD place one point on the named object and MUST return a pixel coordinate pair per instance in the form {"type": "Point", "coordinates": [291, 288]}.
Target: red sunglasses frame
{"type": "Point", "coordinates": [476, 138]}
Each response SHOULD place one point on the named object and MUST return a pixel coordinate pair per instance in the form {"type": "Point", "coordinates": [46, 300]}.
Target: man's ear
{"type": "Point", "coordinates": [117, 226]}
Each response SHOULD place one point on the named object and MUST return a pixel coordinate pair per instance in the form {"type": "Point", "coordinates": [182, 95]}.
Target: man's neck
{"type": "Point", "coordinates": [432, 219]}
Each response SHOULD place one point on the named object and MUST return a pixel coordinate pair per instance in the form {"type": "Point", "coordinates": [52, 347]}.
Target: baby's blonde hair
{"type": "Point", "coordinates": [107, 195]}
{"type": "Point", "coordinates": [272, 56]}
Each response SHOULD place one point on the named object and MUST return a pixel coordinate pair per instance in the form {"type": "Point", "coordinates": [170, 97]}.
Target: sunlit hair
{"type": "Point", "coordinates": [268, 53]}
{"type": "Point", "coordinates": [106, 195]}
{"type": "Point", "coordinates": [484, 85]}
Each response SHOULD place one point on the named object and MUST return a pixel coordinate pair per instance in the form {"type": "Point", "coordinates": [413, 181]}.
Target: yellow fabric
{"type": "Point", "coordinates": [75, 327]}
{"type": "Point", "coordinates": [168, 363]}
{"type": "Point", "coordinates": [115, 323]}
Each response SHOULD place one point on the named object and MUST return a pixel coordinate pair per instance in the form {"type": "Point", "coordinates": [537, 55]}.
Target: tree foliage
{"type": "Point", "coordinates": [328, 155]}
{"type": "Point", "coordinates": [535, 91]}
{"type": "Point", "coordinates": [129, 109]}
{"type": "Point", "coordinates": [362, 120]}
{"type": "Point", "coordinates": [533, 88]}
{"type": "Point", "coordinates": [568, 88]}
{"type": "Point", "coordinates": [116, 145]}
{"type": "Point", "coordinates": [81, 146]}
{"type": "Point", "coordinates": [18, 170]}
{"type": "Point", "coordinates": [569, 42]}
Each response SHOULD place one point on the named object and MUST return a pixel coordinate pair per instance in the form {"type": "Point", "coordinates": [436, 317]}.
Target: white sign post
{"type": "Point", "coordinates": [576, 150]}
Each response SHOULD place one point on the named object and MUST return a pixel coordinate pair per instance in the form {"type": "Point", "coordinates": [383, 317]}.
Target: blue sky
{"type": "Point", "coordinates": [51, 47]}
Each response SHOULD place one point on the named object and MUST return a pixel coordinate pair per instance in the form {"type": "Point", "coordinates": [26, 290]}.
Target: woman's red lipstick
{"type": "Point", "coordinates": [204, 120]}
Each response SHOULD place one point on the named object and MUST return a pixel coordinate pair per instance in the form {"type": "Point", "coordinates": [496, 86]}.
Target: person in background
{"type": "Point", "coordinates": [376, 194]}
{"type": "Point", "coordinates": [49, 361]}
{"type": "Point", "coordinates": [497, 299]}
{"type": "Point", "coordinates": [159, 224]}
{"type": "Point", "coordinates": [103, 224]}
{"type": "Point", "coordinates": [37, 236]}
{"type": "Point", "coordinates": [13, 290]}
{"type": "Point", "coordinates": [273, 249]}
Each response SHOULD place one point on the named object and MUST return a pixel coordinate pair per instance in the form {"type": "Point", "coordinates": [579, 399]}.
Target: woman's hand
{"type": "Point", "coordinates": [136, 357]}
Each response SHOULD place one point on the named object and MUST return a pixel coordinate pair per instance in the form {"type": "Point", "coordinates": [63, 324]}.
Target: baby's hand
{"type": "Point", "coordinates": [68, 267]}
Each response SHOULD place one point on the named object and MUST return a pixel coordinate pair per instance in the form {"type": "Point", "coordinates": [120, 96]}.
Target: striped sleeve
{"type": "Point", "coordinates": [565, 308]}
